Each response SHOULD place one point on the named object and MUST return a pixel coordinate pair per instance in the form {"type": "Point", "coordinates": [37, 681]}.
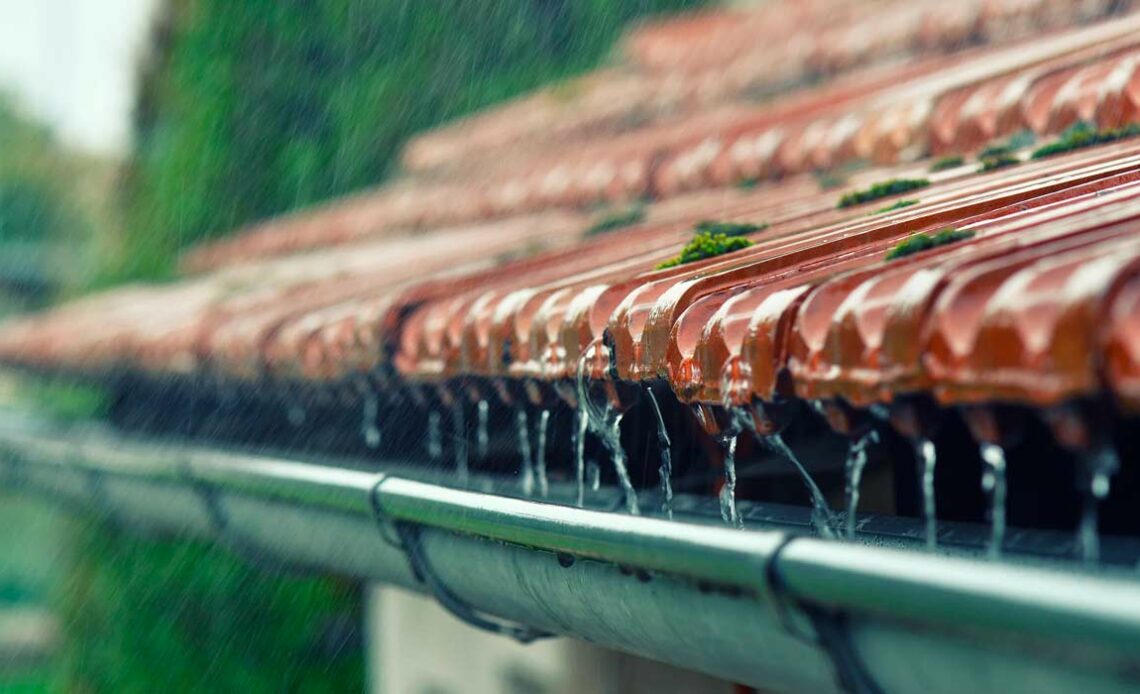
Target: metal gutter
{"type": "Point", "coordinates": [769, 608]}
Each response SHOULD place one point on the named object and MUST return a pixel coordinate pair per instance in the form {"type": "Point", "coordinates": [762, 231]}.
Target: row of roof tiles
{"type": "Point", "coordinates": [938, 105]}
{"type": "Point", "coordinates": [678, 66]}
{"type": "Point", "coordinates": [1038, 307]}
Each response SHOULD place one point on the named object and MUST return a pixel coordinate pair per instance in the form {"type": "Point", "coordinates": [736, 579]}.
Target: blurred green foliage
{"type": "Point", "coordinates": [47, 212]}
{"type": "Point", "coordinates": [249, 109]}
{"type": "Point", "coordinates": [176, 615]}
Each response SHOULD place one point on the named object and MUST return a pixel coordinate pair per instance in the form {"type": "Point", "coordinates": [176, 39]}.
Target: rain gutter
{"type": "Point", "coordinates": [764, 607]}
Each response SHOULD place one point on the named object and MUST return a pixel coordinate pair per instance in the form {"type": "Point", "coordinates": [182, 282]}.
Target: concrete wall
{"type": "Point", "coordinates": [418, 648]}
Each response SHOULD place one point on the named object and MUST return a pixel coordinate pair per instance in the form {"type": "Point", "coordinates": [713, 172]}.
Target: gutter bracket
{"type": "Point", "coordinates": [832, 632]}
{"type": "Point", "coordinates": [408, 538]}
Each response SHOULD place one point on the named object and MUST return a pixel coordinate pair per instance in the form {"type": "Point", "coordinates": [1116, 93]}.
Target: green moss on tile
{"type": "Point", "coordinates": [886, 189]}
{"type": "Point", "coordinates": [922, 242]}
{"type": "Point", "coordinates": [712, 228]}
{"type": "Point", "coordinates": [1081, 135]}
{"type": "Point", "coordinates": [948, 162]}
{"type": "Point", "coordinates": [998, 161]}
{"type": "Point", "coordinates": [896, 206]}
{"type": "Point", "coordinates": [705, 245]}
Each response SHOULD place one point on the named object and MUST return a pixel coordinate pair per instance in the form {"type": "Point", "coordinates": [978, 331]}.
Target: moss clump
{"type": "Point", "coordinates": [950, 162]}
{"type": "Point", "coordinates": [706, 245]}
{"type": "Point", "coordinates": [617, 219]}
{"type": "Point", "coordinates": [896, 206]}
{"type": "Point", "coordinates": [922, 242]}
{"type": "Point", "coordinates": [1081, 135]}
{"type": "Point", "coordinates": [727, 228]}
{"type": "Point", "coordinates": [998, 161]}
{"type": "Point", "coordinates": [748, 182]}
{"type": "Point", "coordinates": [885, 189]}
{"type": "Point", "coordinates": [995, 150]}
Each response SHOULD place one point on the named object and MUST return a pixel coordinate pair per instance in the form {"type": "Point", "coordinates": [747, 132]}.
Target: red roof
{"type": "Point", "coordinates": [479, 279]}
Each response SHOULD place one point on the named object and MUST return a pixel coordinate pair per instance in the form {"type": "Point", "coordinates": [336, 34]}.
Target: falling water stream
{"type": "Point", "coordinates": [666, 469]}
{"type": "Point", "coordinates": [526, 478]}
{"type": "Point", "coordinates": [482, 438]}
{"type": "Point", "coordinates": [369, 426]}
{"type": "Point", "coordinates": [580, 454]}
{"type": "Point", "coordinates": [856, 463]}
{"type": "Point", "coordinates": [728, 491]}
{"type": "Point", "coordinates": [434, 436]}
{"type": "Point", "coordinates": [1099, 466]}
{"type": "Point", "coordinates": [459, 425]}
{"type": "Point", "coordinates": [821, 513]}
{"type": "Point", "coordinates": [927, 458]}
{"type": "Point", "coordinates": [606, 425]}
{"type": "Point", "coordinates": [994, 485]}
{"type": "Point", "coordinates": [613, 442]}
{"type": "Point", "coordinates": [540, 455]}
{"type": "Point", "coordinates": [594, 476]}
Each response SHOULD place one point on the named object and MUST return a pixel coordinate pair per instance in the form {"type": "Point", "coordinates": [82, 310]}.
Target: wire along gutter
{"type": "Point", "coordinates": [768, 608]}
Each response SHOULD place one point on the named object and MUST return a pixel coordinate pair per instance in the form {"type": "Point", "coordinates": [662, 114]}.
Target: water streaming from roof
{"type": "Point", "coordinates": [434, 436]}
{"type": "Point", "coordinates": [994, 485]}
{"type": "Point", "coordinates": [580, 454]}
{"type": "Point", "coordinates": [605, 422]}
{"type": "Point", "coordinates": [540, 455]}
{"type": "Point", "coordinates": [594, 475]}
{"type": "Point", "coordinates": [1099, 466]}
{"type": "Point", "coordinates": [856, 462]}
{"type": "Point", "coordinates": [459, 426]}
{"type": "Point", "coordinates": [821, 513]}
{"type": "Point", "coordinates": [369, 426]}
{"type": "Point", "coordinates": [526, 472]}
{"type": "Point", "coordinates": [614, 444]}
{"type": "Point", "coordinates": [927, 459]}
{"type": "Point", "coordinates": [728, 491]}
{"type": "Point", "coordinates": [666, 469]}
{"type": "Point", "coordinates": [482, 438]}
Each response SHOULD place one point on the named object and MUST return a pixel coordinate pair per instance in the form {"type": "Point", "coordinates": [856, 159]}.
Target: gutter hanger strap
{"type": "Point", "coordinates": [409, 539]}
